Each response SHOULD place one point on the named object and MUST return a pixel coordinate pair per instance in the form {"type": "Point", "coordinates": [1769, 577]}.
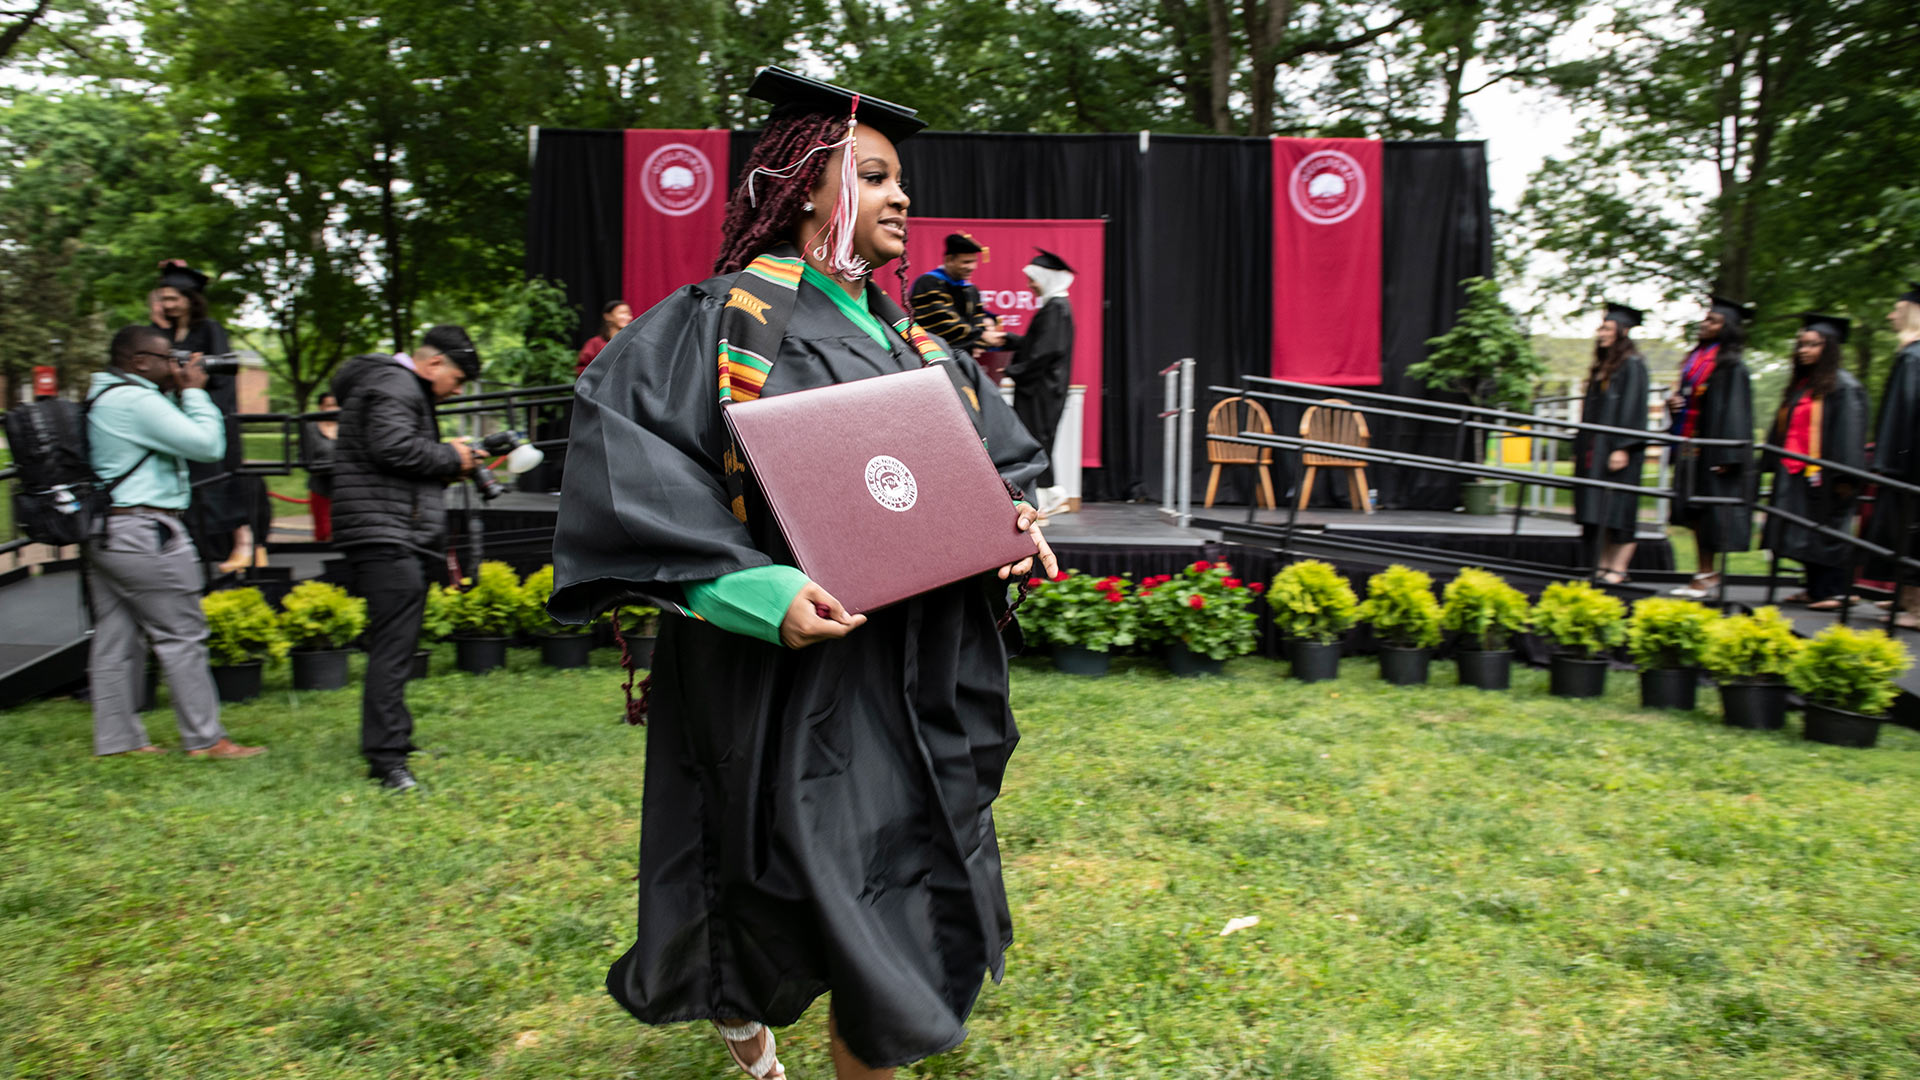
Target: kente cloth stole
{"type": "Point", "coordinates": [1698, 370]}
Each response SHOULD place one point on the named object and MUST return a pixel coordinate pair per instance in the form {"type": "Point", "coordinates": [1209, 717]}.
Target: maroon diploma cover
{"type": "Point", "coordinates": [881, 486]}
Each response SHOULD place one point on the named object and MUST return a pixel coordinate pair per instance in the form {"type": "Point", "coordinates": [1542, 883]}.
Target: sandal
{"type": "Point", "coordinates": [766, 1067]}
{"type": "Point", "coordinates": [1831, 603]}
{"type": "Point", "coordinates": [1907, 620]}
{"type": "Point", "coordinates": [1612, 577]}
{"type": "Point", "coordinates": [1797, 598]}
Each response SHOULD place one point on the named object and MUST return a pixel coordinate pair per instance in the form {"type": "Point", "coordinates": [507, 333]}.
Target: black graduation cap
{"type": "Point", "coordinates": [1731, 310]}
{"type": "Point", "coordinates": [1833, 326]}
{"type": "Point", "coordinates": [179, 275]}
{"type": "Point", "coordinates": [961, 244]}
{"type": "Point", "coordinates": [1912, 295]}
{"type": "Point", "coordinates": [1047, 260]}
{"type": "Point", "coordinates": [1624, 317]}
{"type": "Point", "coordinates": [793, 94]}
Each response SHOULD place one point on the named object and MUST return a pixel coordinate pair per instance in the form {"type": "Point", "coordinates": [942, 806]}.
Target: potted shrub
{"type": "Point", "coordinates": [319, 620]}
{"type": "Point", "coordinates": [1200, 616]}
{"type": "Point", "coordinates": [485, 616]}
{"type": "Point", "coordinates": [1488, 356]}
{"type": "Point", "coordinates": [1405, 617]}
{"type": "Point", "coordinates": [1081, 617]}
{"type": "Point", "coordinates": [1846, 677]}
{"type": "Point", "coordinates": [561, 645]}
{"type": "Point", "coordinates": [1747, 655]}
{"type": "Point", "coordinates": [1483, 612]}
{"type": "Point", "coordinates": [1312, 606]}
{"type": "Point", "coordinates": [243, 633]}
{"type": "Point", "coordinates": [1666, 637]}
{"type": "Point", "coordinates": [639, 626]}
{"type": "Point", "coordinates": [436, 625]}
{"type": "Point", "coordinates": [1585, 624]}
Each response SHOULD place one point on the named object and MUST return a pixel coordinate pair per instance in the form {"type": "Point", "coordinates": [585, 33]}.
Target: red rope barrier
{"type": "Point", "coordinates": [289, 498]}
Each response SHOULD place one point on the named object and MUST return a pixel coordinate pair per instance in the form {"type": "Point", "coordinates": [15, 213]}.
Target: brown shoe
{"type": "Point", "coordinates": [227, 748]}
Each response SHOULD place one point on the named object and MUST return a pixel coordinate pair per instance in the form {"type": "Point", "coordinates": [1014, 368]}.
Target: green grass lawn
{"type": "Point", "coordinates": [1449, 883]}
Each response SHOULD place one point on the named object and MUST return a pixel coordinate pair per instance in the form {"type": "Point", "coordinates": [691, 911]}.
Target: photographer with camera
{"type": "Point", "coordinates": [148, 416]}
{"type": "Point", "coordinates": [390, 472]}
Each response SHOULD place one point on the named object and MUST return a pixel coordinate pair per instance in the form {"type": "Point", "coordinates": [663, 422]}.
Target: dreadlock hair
{"type": "Point", "coordinates": [1608, 358]}
{"type": "Point", "coordinates": [751, 231]}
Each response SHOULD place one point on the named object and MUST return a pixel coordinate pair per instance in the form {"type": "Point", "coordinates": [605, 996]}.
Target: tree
{"type": "Point", "coordinates": [1485, 356]}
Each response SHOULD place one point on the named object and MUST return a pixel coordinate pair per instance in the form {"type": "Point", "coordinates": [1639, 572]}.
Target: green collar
{"type": "Point", "coordinates": [854, 308]}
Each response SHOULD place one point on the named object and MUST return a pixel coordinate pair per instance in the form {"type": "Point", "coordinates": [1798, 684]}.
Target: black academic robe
{"type": "Point", "coordinates": [1041, 369]}
{"type": "Point", "coordinates": [1725, 411]}
{"type": "Point", "coordinates": [1620, 402]}
{"type": "Point", "coordinates": [1843, 439]}
{"type": "Point", "coordinates": [813, 820]}
{"type": "Point", "coordinates": [950, 311]}
{"type": "Point", "coordinates": [223, 498]}
{"type": "Point", "coordinates": [1896, 455]}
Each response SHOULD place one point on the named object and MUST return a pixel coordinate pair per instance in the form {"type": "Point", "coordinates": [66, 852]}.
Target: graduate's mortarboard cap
{"type": "Point", "coordinates": [1833, 326]}
{"type": "Point", "coordinates": [793, 94]}
{"type": "Point", "coordinates": [1912, 295]}
{"type": "Point", "coordinates": [1624, 317]}
{"type": "Point", "coordinates": [1047, 260]}
{"type": "Point", "coordinates": [961, 244]}
{"type": "Point", "coordinates": [178, 275]}
{"type": "Point", "coordinates": [1733, 308]}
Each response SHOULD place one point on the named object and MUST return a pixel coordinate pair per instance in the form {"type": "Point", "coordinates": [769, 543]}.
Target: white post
{"type": "Point", "coordinates": [1186, 442]}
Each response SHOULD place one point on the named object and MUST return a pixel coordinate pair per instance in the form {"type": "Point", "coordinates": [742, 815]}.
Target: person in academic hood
{"type": "Point", "coordinates": [1042, 363]}
{"type": "Point", "coordinates": [817, 810]}
{"type": "Point", "coordinates": [1822, 414]}
{"type": "Point", "coordinates": [1616, 397]}
{"type": "Point", "coordinates": [1896, 455]}
{"type": "Point", "coordinates": [946, 302]}
{"type": "Point", "coordinates": [1713, 399]}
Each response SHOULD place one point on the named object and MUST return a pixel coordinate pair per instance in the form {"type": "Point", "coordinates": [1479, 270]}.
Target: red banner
{"type": "Point", "coordinates": [676, 200]}
{"type": "Point", "coordinates": [1326, 261]}
{"type": "Point", "coordinates": [1010, 245]}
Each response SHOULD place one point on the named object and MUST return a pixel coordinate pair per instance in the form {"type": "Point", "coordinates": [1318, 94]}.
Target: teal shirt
{"type": "Point", "coordinates": [127, 423]}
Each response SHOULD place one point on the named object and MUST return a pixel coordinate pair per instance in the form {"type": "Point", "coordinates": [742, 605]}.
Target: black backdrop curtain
{"type": "Point", "coordinates": [1189, 221]}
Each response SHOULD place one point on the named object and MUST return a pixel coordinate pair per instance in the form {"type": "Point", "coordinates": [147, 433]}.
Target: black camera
{"type": "Point", "coordinates": [216, 364]}
{"type": "Point", "coordinates": [521, 456]}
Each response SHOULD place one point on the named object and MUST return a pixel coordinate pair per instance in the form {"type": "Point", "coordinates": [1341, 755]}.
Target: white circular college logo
{"type": "Point", "coordinates": [891, 483]}
{"type": "Point", "coordinates": [1327, 187]}
{"type": "Point", "coordinates": [676, 179]}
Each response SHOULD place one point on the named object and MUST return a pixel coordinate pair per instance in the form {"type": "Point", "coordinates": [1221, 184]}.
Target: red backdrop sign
{"type": "Point", "coordinates": [676, 200]}
{"type": "Point", "coordinates": [1326, 261]}
{"type": "Point", "coordinates": [1010, 245]}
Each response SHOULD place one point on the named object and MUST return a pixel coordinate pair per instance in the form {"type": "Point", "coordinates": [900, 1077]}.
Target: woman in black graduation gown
{"type": "Point", "coordinates": [229, 516]}
{"type": "Point", "coordinates": [1042, 363]}
{"type": "Point", "coordinates": [1616, 397]}
{"type": "Point", "coordinates": [1823, 414]}
{"type": "Point", "coordinates": [1896, 455]}
{"type": "Point", "coordinates": [1713, 399]}
{"type": "Point", "coordinates": [817, 812]}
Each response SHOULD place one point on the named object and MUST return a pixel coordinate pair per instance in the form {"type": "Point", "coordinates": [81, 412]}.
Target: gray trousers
{"type": "Point", "coordinates": [144, 576]}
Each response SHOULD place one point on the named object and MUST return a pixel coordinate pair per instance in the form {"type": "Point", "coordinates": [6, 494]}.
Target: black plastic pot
{"type": "Point", "coordinates": [1314, 662]}
{"type": "Point", "coordinates": [1184, 662]}
{"type": "Point", "coordinates": [1668, 688]}
{"type": "Point", "coordinates": [480, 654]}
{"type": "Point", "coordinates": [1576, 676]}
{"type": "Point", "coordinates": [1838, 727]}
{"type": "Point", "coordinates": [642, 650]}
{"type": "Point", "coordinates": [238, 682]}
{"type": "Point", "coordinates": [422, 664]}
{"type": "Point", "coordinates": [320, 669]}
{"type": "Point", "coordinates": [1405, 667]}
{"type": "Point", "coordinates": [1485, 670]}
{"type": "Point", "coordinates": [1757, 706]}
{"type": "Point", "coordinates": [565, 650]}
{"type": "Point", "coordinates": [1074, 660]}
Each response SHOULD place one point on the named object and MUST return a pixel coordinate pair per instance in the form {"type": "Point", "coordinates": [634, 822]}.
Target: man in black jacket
{"type": "Point", "coordinates": [390, 472]}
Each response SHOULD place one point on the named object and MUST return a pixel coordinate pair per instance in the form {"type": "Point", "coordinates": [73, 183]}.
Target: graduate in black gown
{"type": "Point", "coordinates": [1896, 455]}
{"type": "Point", "coordinates": [1616, 397]}
{"type": "Point", "coordinates": [1713, 399]}
{"type": "Point", "coordinates": [1823, 414]}
{"type": "Point", "coordinates": [818, 807]}
{"type": "Point", "coordinates": [229, 516]}
{"type": "Point", "coordinates": [1042, 363]}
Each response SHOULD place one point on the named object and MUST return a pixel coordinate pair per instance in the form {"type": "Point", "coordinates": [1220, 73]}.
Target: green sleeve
{"type": "Point", "coordinates": [751, 602]}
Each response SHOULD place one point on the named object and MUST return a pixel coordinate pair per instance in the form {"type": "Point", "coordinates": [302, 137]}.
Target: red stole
{"type": "Point", "coordinates": [1803, 432]}
{"type": "Point", "coordinates": [1693, 379]}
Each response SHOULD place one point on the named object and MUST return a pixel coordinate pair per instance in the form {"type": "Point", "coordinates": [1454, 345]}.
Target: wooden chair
{"type": "Point", "coordinates": [1226, 418]}
{"type": "Point", "coordinates": [1326, 424]}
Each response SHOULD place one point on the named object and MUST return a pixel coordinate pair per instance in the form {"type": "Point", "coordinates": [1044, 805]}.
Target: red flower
{"type": "Point", "coordinates": [1163, 579]}
{"type": "Point", "coordinates": [1196, 601]}
{"type": "Point", "coordinates": [1033, 583]}
{"type": "Point", "coordinates": [1114, 597]}
{"type": "Point", "coordinates": [1232, 583]}
{"type": "Point", "coordinates": [1061, 576]}
{"type": "Point", "coordinates": [1106, 584]}
{"type": "Point", "coordinates": [1203, 566]}
{"type": "Point", "coordinates": [1258, 587]}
